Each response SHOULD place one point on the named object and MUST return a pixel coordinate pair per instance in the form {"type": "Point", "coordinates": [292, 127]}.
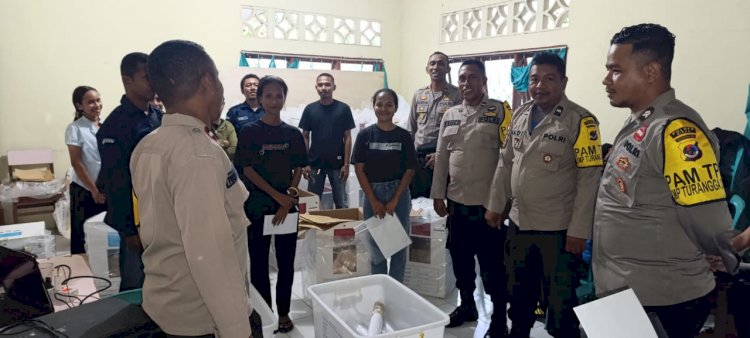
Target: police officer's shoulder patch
{"type": "Point", "coordinates": [231, 178]}
{"type": "Point", "coordinates": [691, 168]}
{"type": "Point", "coordinates": [588, 145]}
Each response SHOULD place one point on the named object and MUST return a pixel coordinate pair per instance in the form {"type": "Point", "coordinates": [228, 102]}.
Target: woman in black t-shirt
{"type": "Point", "coordinates": [270, 155]}
{"type": "Point", "coordinates": [384, 160]}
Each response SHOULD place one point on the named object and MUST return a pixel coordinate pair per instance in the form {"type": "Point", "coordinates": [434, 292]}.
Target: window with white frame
{"type": "Point", "coordinates": [284, 24]}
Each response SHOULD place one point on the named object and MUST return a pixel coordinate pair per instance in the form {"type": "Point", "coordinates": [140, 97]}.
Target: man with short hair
{"type": "Point", "coordinates": [661, 206]}
{"type": "Point", "coordinates": [427, 108]}
{"type": "Point", "coordinates": [468, 148]}
{"type": "Point", "coordinates": [133, 119]}
{"type": "Point", "coordinates": [249, 111]}
{"type": "Point", "coordinates": [330, 122]}
{"type": "Point", "coordinates": [190, 203]}
{"type": "Point", "coordinates": [550, 169]}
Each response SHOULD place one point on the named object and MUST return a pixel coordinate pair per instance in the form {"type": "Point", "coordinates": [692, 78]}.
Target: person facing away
{"type": "Point", "coordinates": [270, 156]}
{"type": "Point", "coordinates": [330, 122]}
{"type": "Point", "coordinates": [550, 168]}
{"type": "Point", "coordinates": [250, 110]}
{"type": "Point", "coordinates": [384, 160]}
{"type": "Point", "coordinates": [468, 151]}
{"type": "Point", "coordinates": [86, 200]}
{"type": "Point", "coordinates": [133, 119]}
{"type": "Point", "coordinates": [661, 207]}
{"type": "Point", "coordinates": [190, 205]}
{"type": "Point", "coordinates": [428, 105]}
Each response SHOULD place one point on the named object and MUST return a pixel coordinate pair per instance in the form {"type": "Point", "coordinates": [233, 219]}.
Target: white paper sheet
{"type": "Point", "coordinates": [388, 233]}
{"type": "Point", "coordinates": [620, 315]}
{"type": "Point", "coordinates": [287, 227]}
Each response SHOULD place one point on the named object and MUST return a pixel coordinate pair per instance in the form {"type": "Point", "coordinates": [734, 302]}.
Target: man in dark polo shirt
{"type": "Point", "coordinates": [133, 119]}
{"type": "Point", "coordinates": [330, 121]}
{"type": "Point", "coordinates": [249, 111]}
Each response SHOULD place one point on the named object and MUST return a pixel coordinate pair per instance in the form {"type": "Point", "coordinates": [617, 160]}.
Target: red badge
{"type": "Point", "coordinates": [547, 158]}
{"type": "Point", "coordinates": [621, 185]}
{"type": "Point", "coordinates": [623, 162]}
{"type": "Point", "coordinates": [640, 133]}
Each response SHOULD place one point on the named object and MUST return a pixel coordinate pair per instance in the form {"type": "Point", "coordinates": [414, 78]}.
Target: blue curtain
{"type": "Point", "coordinates": [293, 63]}
{"type": "Point", "coordinates": [519, 76]}
{"type": "Point", "coordinates": [380, 67]}
{"type": "Point", "coordinates": [273, 62]}
{"type": "Point", "coordinates": [243, 61]}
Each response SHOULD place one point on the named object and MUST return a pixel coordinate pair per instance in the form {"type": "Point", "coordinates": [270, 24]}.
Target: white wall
{"type": "Point", "coordinates": [711, 71]}
{"type": "Point", "coordinates": [50, 47]}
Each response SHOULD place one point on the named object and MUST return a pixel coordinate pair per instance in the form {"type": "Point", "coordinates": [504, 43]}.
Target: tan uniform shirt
{"type": "Point", "coordinates": [552, 173]}
{"type": "Point", "coordinates": [427, 109]}
{"type": "Point", "coordinates": [194, 231]}
{"type": "Point", "coordinates": [468, 150]}
{"type": "Point", "coordinates": [661, 207]}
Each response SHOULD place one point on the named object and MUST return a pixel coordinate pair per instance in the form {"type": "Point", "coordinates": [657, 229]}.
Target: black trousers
{"type": "Point", "coordinates": [683, 320]}
{"type": "Point", "coordinates": [259, 247]}
{"type": "Point", "coordinates": [469, 236]}
{"type": "Point", "coordinates": [538, 260]}
{"type": "Point", "coordinates": [82, 207]}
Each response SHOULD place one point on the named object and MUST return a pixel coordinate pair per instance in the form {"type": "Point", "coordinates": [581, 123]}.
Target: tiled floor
{"type": "Point", "coordinates": [301, 314]}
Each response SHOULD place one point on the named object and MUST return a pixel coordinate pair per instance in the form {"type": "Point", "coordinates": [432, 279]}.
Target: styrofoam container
{"type": "Point", "coordinates": [267, 316]}
{"type": "Point", "coordinates": [340, 306]}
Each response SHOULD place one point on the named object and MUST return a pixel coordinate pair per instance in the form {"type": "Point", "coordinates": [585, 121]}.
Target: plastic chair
{"type": "Point", "coordinates": [739, 207]}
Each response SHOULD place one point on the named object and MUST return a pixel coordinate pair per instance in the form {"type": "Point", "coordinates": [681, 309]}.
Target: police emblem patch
{"type": "Point", "coordinates": [623, 162]}
{"type": "Point", "coordinates": [691, 152]}
{"type": "Point", "coordinates": [593, 135]}
{"type": "Point", "coordinates": [621, 185]}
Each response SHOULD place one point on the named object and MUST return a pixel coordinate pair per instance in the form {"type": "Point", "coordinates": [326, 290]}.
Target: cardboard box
{"type": "Point", "coordinates": [333, 248]}
{"type": "Point", "coordinates": [308, 201]}
{"type": "Point", "coordinates": [429, 271]}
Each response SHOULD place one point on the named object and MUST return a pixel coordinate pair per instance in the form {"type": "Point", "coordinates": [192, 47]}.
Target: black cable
{"type": "Point", "coordinates": [109, 284]}
{"type": "Point", "coordinates": [66, 302]}
{"type": "Point", "coordinates": [70, 270]}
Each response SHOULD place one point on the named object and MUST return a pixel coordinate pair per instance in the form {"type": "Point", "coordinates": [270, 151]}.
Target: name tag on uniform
{"type": "Point", "coordinates": [449, 123]}
{"type": "Point", "coordinates": [242, 118]}
{"type": "Point", "coordinates": [489, 119]}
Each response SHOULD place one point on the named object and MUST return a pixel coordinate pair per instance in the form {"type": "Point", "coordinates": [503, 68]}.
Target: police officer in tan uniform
{"type": "Point", "coordinates": [189, 202]}
{"type": "Point", "coordinates": [550, 168]}
{"type": "Point", "coordinates": [661, 206]}
{"type": "Point", "coordinates": [468, 147]}
{"type": "Point", "coordinates": [427, 108]}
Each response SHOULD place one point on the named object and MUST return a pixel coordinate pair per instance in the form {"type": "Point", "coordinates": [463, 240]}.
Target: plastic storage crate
{"type": "Point", "coordinates": [340, 306]}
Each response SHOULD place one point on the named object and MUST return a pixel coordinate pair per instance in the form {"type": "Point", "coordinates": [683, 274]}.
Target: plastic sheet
{"type": "Point", "coordinates": [429, 270]}
{"type": "Point", "coordinates": [41, 246]}
{"type": "Point", "coordinates": [338, 253]}
{"type": "Point", "coordinates": [11, 191]}
{"type": "Point", "coordinates": [61, 215]}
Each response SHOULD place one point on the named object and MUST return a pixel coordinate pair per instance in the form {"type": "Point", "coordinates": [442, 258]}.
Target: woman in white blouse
{"type": "Point", "coordinates": [85, 198]}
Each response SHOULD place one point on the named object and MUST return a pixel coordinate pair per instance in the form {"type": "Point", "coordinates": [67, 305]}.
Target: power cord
{"type": "Point", "coordinates": [109, 284]}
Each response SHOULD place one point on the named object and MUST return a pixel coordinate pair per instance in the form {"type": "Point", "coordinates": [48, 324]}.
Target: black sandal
{"type": "Point", "coordinates": [285, 324]}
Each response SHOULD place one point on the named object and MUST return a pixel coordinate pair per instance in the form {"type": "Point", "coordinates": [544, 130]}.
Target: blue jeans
{"type": "Point", "coordinates": [384, 191]}
{"type": "Point", "coordinates": [317, 182]}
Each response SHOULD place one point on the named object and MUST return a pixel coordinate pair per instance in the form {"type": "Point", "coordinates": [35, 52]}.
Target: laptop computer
{"type": "Point", "coordinates": [23, 294]}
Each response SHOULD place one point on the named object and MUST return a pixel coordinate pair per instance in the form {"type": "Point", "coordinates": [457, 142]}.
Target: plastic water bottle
{"type": "Point", "coordinates": [376, 321]}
